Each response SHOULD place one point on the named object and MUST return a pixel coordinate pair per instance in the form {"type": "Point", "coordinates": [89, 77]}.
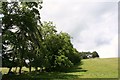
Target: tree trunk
{"type": "Point", "coordinates": [20, 69]}
{"type": "Point", "coordinates": [36, 68]}
{"type": "Point", "coordinates": [10, 69]}
{"type": "Point", "coordinates": [30, 68]}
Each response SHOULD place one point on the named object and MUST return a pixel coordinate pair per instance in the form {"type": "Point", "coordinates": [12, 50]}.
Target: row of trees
{"type": "Point", "coordinates": [87, 55]}
{"type": "Point", "coordinates": [28, 42]}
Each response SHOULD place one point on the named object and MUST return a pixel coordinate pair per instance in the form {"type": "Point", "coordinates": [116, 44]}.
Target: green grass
{"type": "Point", "coordinates": [101, 68]}
{"type": "Point", "coordinates": [91, 68]}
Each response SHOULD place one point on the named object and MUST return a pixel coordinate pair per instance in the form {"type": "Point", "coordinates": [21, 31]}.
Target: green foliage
{"type": "Point", "coordinates": [19, 26]}
{"type": "Point", "coordinates": [59, 49]}
{"type": "Point", "coordinates": [62, 62]}
{"type": "Point", "coordinates": [87, 55]}
{"type": "Point", "coordinates": [95, 54]}
{"type": "Point", "coordinates": [26, 38]}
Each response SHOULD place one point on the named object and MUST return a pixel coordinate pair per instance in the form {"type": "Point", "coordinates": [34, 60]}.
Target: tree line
{"type": "Point", "coordinates": [26, 41]}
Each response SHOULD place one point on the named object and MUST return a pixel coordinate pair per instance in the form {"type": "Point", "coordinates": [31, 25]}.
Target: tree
{"type": "Point", "coordinates": [87, 55]}
{"type": "Point", "coordinates": [21, 19]}
{"type": "Point", "coordinates": [95, 54]}
{"type": "Point", "coordinates": [59, 49]}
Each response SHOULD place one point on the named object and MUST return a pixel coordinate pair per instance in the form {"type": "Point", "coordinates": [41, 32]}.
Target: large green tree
{"type": "Point", "coordinates": [59, 49]}
{"type": "Point", "coordinates": [20, 24]}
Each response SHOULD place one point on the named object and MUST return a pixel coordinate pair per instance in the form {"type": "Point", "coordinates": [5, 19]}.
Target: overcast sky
{"type": "Point", "coordinates": [93, 25]}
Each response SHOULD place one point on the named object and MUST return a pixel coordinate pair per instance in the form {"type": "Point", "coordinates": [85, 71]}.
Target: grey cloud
{"type": "Point", "coordinates": [96, 10]}
{"type": "Point", "coordinates": [102, 41]}
{"type": "Point", "coordinates": [85, 22]}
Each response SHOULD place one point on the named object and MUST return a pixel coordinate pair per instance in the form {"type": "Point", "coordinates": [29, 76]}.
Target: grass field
{"type": "Point", "coordinates": [91, 68]}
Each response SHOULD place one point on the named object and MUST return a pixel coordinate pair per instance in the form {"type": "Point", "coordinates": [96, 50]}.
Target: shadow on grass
{"type": "Point", "coordinates": [67, 74]}
{"type": "Point", "coordinates": [73, 70]}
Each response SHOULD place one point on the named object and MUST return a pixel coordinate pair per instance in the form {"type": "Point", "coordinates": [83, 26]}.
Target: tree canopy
{"type": "Point", "coordinates": [86, 55]}
{"type": "Point", "coordinates": [25, 37]}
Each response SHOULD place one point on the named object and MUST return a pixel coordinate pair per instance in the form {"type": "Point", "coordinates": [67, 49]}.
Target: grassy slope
{"type": "Point", "coordinates": [101, 68]}
{"type": "Point", "coordinates": [91, 68]}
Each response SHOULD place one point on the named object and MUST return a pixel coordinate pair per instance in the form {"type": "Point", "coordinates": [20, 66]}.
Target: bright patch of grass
{"type": "Point", "coordinates": [101, 68]}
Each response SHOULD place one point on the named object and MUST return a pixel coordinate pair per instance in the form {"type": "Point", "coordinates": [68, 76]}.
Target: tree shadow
{"type": "Point", "coordinates": [41, 75]}
{"type": "Point", "coordinates": [75, 69]}
{"type": "Point", "coordinates": [65, 74]}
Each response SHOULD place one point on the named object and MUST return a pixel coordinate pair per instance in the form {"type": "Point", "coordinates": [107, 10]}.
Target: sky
{"type": "Point", "coordinates": [93, 25]}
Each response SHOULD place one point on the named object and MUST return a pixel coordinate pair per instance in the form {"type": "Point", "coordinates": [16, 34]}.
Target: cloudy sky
{"type": "Point", "coordinates": [93, 25]}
